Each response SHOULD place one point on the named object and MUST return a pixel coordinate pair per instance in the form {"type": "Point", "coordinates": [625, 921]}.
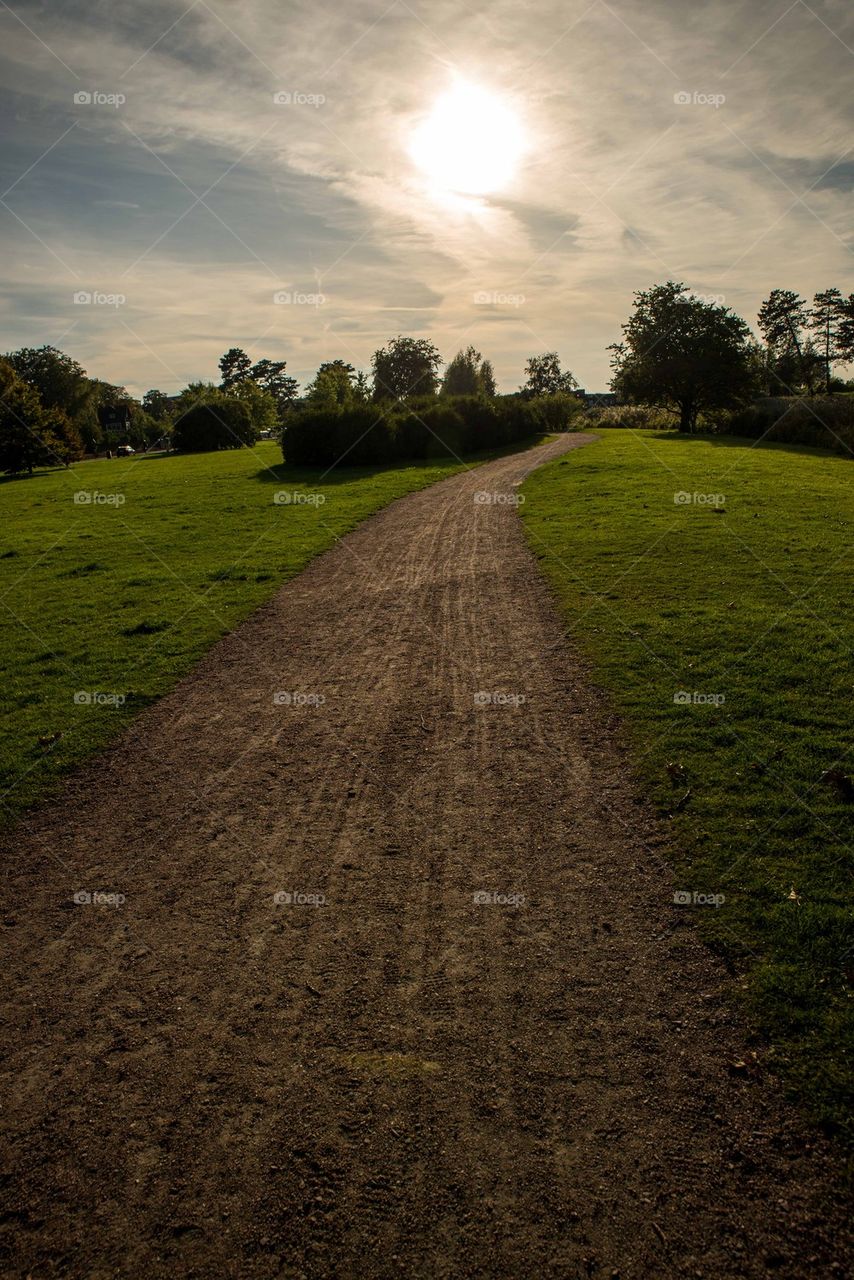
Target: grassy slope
{"type": "Point", "coordinates": [757, 604]}
{"type": "Point", "coordinates": [123, 600]}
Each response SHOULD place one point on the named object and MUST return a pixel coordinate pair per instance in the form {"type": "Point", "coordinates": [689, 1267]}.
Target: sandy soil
{"type": "Point", "coordinates": [383, 1076]}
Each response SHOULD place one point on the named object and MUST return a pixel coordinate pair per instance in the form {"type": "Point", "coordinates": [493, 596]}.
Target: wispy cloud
{"type": "Point", "coordinates": [635, 170]}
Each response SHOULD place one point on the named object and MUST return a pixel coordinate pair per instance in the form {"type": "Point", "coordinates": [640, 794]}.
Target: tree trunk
{"type": "Point", "coordinates": [686, 417]}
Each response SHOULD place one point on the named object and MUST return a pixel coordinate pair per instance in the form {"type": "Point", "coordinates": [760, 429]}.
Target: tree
{"type": "Point", "coordinates": [361, 388]}
{"type": "Point", "coordinates": [404, 368]}
{"type": "Point", "coordinates": [61, 382]}
{"type": "Point", "coordinates": [845, 336]}
{"type": "Point", "coordinates": [157, 405]}
{"type": "Point", "coordinates": [235, 366]}
{"type": "Point", "coordinates": [683, 354]}
{"type": "Point", "coordinates": [487, 380]}
{"type": "Point", "coordinates": [826, 321]}
{"type": "Point", "coordinates": [545, 377]}
{"type": "Point", "coordinates": [224, 423]}
{"type": "Point", "coordinates": [270, 376]}
{"type": "Point", "coordinates": [333, 385]}
{"type": "Point", "coordinates": [468, 374]}
{"type": "Point", "coordinates": [263, 410]}
{"type": "Point", "coordinates": [28, 438]}
{"type": "Point", "coordinates": [783, 318]}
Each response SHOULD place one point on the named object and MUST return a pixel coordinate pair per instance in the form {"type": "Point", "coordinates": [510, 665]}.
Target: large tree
{"type": "Point", "coordinates": [683, 354]}
{"type": "Point", "coordinates": [333, 386]}
{"type": "Point", "coordinates": [845, 335]}
{"type": "Point", "coordinates": [468, 374]}
{"type": "Point", "coordinates": [29, 433]}
{"type": "Point", "coordinates": [270, 376]}
{"type": "Point", "coordinates": [235, 366]}
{"type": "Point", "coordinates": [545, 377]}
{"type": "Point", "coordinates": [784, 319]}
{"type": "Point", "coordinates": [827, 320]}
{"type": "Point", "coordinates": [406, 367]}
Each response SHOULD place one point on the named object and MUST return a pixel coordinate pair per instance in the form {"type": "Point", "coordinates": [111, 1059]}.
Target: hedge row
{"type": "Point", "coordinates": [823, 421]}
{"type": "Point", "coordinates": [367, 434]}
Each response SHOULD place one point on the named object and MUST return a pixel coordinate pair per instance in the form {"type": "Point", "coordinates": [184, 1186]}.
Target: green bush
{"type": "Point", "coordinates": [368, 435]}
{"type": "Point", "coordinates": [826, 422]}
{"type": "Point", "coordinates": [225, 423]}
{"type": "Point", "coordinates": [638, 417]}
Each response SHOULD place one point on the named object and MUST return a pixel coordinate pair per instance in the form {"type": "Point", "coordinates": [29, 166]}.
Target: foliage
{"type": "Point", "coordinates": [405, 368]}
{"type": "Point", "coordinates": [333, 386]}
{"type": "Point", "coordinates": [545, 377]}
{"type": "Point", "coordinates": [31, 435]}
{"type": "Point", "coordinates": [683, 353]}
{"type": "Point", "coordinates": [825, 421]}
{"type": "Point", "coordinates": [429, 427]}
{"type": "Point", "coordinates": [224, 423]}
{"type": "Point", "coordinates": [637, 417]}
{"type": "Point", "coordinates": [158, 405]}
{"type": "Point", "coordinates": [468, 374]}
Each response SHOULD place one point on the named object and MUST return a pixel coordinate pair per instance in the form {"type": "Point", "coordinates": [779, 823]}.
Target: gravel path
{"type": "Point", "coordinates": [301, 1046]}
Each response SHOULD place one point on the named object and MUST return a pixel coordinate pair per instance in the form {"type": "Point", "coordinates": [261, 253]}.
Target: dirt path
{"type": "Point", "coordinates": [398, 1081]}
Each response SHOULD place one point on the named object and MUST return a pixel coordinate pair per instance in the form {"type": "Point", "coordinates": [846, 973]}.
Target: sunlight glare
{"type": "Point", "coordinates": [471, 142]}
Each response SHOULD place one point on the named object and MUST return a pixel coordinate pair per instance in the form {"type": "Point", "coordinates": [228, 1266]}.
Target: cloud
{"type": "Point", "coordinates": [199, 195]}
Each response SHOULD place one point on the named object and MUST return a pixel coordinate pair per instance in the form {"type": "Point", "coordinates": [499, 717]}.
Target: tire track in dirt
{"type": "Point", "coordinates": [401, 1081]}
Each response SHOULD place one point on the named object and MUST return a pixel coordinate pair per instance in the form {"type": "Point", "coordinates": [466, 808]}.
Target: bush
{"type": "Point", "coordinates": [641, 417]}
{"type": "Point", "coordinates": [826, 422]}
{"type": "Point", "coordinates": [369, 435]}
{"type": "Point", "coordinates": [223, 424]}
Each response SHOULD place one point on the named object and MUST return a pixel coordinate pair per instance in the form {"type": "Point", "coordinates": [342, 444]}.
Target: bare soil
{"type": "Point", "coordinates": [383, 1076]}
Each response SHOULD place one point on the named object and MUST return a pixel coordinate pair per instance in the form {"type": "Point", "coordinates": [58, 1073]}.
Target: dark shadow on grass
{"type": "Point", "coordinates": [749, 442]}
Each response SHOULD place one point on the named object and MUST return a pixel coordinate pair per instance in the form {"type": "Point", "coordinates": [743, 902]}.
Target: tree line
{"type": "Point", "coordinates": [52, 412]}
{"type": "Point", "coordinates": [679, 352]}
{"type": "Point", "coordinates": [693, 356]}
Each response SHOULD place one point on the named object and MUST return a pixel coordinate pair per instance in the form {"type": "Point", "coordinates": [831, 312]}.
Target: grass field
{"type": "Point", "coordinates": [711, 583]}
{"type": "Point", "coordinates": [111, 602]}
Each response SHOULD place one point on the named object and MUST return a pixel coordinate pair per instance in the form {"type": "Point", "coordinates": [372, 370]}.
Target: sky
{"type": "Point", "coordinates": [179, 178]}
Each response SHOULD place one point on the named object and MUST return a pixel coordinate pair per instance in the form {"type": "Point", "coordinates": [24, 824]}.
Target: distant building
{"type": "Point", "coordinates": [114, 417]}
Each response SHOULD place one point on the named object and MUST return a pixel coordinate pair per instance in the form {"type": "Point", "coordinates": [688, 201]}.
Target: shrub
{"type": "Point", "coordinates": [225, 423]}
{"type": "Point", "coordinates": [642, 417]}
{"type": "Point", "coordinates": [826, 422]}
{"type": "Point", "coordinates": [368, 435]}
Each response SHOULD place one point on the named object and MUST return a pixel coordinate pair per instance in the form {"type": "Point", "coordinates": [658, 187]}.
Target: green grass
{"type": "Point", "coordinates": [754, 602]}
{"type": "Point", "coordinates": [122, 600]}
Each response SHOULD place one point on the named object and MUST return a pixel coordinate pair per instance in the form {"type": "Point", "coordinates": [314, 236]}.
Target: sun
{"type": "Point", "coordinates": [470, 143]}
